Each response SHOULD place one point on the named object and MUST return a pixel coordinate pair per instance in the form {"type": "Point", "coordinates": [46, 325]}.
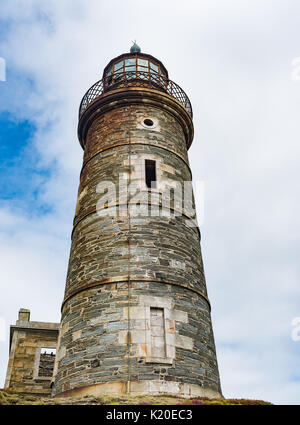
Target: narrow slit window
{"type": "Point", "coordinates": [158, 340]}
{"type": "Point", "coordinates": [150, 173]}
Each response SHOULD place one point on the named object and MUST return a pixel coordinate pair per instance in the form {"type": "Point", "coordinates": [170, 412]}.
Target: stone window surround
{"type": "Point", "coordinates": [137, 175]}
{"type": "Point", "coordinates": [170, 352]}
{"type": "Point", "coordinates": [139, 171]}
{"type": "Point", "coordinates": [141, 332]}
{"type": "Point", "coordinates": [36, 376]}
{"type": "Point", "coordinates": [169, 325]}
{"type": "Point", "coordinates": [154, 120]}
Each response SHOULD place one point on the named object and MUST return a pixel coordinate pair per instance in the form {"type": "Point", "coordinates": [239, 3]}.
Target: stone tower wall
{"type": "Point", "coordinates": [135, 316]}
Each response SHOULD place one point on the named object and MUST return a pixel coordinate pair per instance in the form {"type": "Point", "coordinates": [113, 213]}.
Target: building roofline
{"type": "Point", "coordinates": [54, 328]}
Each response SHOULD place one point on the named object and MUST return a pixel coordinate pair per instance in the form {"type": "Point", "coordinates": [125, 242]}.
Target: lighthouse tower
{"type": "Point", "coordinates": [135, 314]}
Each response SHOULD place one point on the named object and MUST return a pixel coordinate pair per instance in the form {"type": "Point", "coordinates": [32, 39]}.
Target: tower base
{"type": "Point", "coordinates": [154, 387]}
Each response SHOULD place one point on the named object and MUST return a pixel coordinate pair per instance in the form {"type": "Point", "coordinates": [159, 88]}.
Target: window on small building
{"type": "Point", "coordinates": [158, 340]}
{"type": "Point", "coordinates": [47, 359]}
{"type": "Point", "coordinates": [150, 173]}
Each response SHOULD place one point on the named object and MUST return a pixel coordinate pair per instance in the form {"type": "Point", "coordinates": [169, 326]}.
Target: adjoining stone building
{"type": "Point", "coordinates": [32, 350]}
{"type": "Point", "coordinates": [135, 314]}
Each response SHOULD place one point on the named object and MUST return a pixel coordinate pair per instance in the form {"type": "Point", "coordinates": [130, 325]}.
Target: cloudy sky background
{"type": "Point", "coordinates": [234, 60]}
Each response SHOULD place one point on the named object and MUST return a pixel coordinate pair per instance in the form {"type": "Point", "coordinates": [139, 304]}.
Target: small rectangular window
{"type": "Point", "coordinates": [157, 322]}
{"type": "Point", "coordinates": [150, 173]}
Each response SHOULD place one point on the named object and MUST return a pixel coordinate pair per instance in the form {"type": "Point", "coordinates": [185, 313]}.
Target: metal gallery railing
{"type": "Point", "coordinates": [138, 79]}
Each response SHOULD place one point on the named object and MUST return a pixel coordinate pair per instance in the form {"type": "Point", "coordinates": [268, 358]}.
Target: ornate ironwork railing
{"type": "Point", "coordinates": [139, 79]}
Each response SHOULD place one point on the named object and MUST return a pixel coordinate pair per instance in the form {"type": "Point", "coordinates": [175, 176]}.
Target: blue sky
{"type": "Point", "coordinates": [15, 168]}
{"type": "Point", "coordinates": [234, 60]}
{"type": "Point", "coordinates": [20, 173]}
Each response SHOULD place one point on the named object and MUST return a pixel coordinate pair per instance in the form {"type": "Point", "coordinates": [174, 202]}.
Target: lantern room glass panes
{"type": "Point", "coordinates": [134, 67]}
{"type": "Point", "coordinates": [130, 64]}
{"type": "Point", "coordinates": [143, 65]}
{"type": "Point", "coordinates": [153, 67]}
{"type": "Point", "coordinates": [118, 67]}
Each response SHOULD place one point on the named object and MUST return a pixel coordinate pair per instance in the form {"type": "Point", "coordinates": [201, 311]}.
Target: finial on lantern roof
{"type": "Point", "coordinates": [135, 48]}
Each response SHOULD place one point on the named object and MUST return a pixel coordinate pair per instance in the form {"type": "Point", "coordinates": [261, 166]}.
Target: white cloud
{"type": "Point", "coordinates": [234, 60]}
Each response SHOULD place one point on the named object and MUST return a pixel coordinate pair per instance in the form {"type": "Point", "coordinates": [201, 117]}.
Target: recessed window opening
{"type": "Point", "coordinates": [148, 122]}
{"type": "Point", "coordinates": [158, 340]}
{"type": "Point", "coordinates": [172, 199]}
{"type": "Point", "coordinates": [150, 173]}
{"type": "Point", "coordinates": [47, 359]}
